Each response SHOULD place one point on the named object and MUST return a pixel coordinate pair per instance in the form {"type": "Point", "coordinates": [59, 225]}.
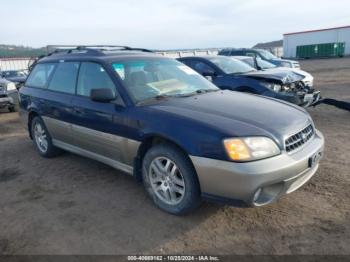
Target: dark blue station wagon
{"type": "Point", "coordinates": [160, 121]}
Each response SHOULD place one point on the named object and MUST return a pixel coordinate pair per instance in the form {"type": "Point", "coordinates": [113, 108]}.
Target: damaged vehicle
{"type": "Point", "coordinates": [8, 95]}
{"type": "Point", "coordinates": [262, 54]}
{"type": "Point", "coordinates": [260, 64]}
{"type": "Point", "coordinates": [232, 74]}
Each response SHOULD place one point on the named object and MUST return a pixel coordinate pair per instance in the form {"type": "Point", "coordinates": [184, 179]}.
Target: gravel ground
{"type": "Point", "coordinates": [73, 205]}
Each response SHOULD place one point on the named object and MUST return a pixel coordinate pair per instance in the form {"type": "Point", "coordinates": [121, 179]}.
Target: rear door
{"type": "Point", "coordinates": [58, 102]}
{"type": "Point", "coordinates": [48, 91]}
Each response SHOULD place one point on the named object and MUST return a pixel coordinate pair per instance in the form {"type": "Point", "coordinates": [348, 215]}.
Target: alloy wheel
{"type": "Point", "coordinates": [166, 180]}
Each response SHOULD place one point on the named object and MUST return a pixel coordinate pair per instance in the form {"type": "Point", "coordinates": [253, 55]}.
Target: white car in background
{"type": "Point", "coordinates": [260, 64]}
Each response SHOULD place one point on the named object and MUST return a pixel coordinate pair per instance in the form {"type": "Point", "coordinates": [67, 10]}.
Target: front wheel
{"type": "Point", "coordinates": [170, 179]}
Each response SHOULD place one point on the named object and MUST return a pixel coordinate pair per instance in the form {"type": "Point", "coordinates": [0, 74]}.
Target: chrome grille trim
{"type": "Point", "coordinates": [297, 140]}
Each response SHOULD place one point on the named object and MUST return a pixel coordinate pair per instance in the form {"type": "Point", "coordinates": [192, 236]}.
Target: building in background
{"type": "Point", "coordinates": [330, 42]}
{"type": "Point", "coordinates": [275, 47]}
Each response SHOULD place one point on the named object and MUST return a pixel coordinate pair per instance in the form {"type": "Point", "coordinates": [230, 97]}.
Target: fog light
{"type": "Point", "coordinates": [256, 195]}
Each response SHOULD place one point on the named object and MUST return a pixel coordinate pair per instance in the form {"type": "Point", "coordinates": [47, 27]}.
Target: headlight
{"type": "Point", "coordinates": [273, 86]}
{"type": "Point", "coordinates": [250, 148]}
{"type": "Point", "coordinates": [11, 86]}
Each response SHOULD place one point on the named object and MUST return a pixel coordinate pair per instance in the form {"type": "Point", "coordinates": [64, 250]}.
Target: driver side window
{"type": "Point", "coordinates": [93, 76]}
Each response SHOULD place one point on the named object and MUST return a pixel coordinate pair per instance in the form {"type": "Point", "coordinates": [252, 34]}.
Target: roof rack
{"type": "Point", "coordinates": [83, 49]}
{"type": "Point", "coordinates": [90, 49]}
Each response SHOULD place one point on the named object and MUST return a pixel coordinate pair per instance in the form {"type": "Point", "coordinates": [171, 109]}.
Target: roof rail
{"type": "Point", "coordinates": [92, 49]}
{"type": "Point", "coordinates": [87, 49]}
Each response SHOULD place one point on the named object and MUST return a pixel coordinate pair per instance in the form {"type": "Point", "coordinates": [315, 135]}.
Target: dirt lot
{"type": "Point", "coordinates": [73, 205]}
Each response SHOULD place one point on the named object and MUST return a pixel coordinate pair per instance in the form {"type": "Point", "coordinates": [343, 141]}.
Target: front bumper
{"type": "Point", "coordinates": [312, 98]}
{"type": "Point", "coordinates": [259, 182]}
{"type": "Point", "coordinates": [304, 100]}
{"type": "Point", "coordinates": [8, 99]}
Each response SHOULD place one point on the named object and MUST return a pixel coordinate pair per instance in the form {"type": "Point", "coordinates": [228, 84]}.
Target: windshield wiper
{"type": "Point", "coordinates": [164, 96]}
{"type": "Point", "coordinates": [153, 98]}
{"type": "Point", "coordinates": [199, 91]}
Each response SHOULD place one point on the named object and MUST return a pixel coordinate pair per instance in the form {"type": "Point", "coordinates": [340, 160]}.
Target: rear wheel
{"type": "Point", "coordinates": [42, 139]}
{"type": "Point", "coordinates": [170, 179]}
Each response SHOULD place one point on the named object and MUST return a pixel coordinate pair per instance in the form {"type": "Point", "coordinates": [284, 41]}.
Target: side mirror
{"type": "Point", "coordinates": [103, 95]}
{"type": "Point", "coordinates": [208, 73]}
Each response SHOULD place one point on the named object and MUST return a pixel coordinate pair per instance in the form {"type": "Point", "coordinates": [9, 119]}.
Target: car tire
{"type": "Point", "coordinates": [42, 139]}
{"type": "Point", "coordinates": [12, 109]}
{"type": "Point", "coordinates": [170, 179]}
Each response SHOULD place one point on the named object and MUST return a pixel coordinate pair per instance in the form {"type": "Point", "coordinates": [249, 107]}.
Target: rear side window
{"type": "Point", "coordinates": [40, 75]}
{"type": "Point", "coordinates": [93, 76]}
{"type": "Point", "coordinates": [64, 77]}
{"type": "Point", "coordinates": [201, 67]}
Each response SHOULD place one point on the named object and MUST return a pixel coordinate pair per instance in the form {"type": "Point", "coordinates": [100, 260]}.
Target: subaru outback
{"type": "Point", "coordinates": [160, 121]}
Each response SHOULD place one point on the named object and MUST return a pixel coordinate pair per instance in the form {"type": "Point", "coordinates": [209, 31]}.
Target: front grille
{"type": "Point", "coordinates": [297, 140]}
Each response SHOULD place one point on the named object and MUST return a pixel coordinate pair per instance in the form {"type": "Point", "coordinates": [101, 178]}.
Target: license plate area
{"type": "Point", "coordinates": [315, 158]}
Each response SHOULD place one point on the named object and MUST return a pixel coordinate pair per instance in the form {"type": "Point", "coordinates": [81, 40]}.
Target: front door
{"type": "Point", "coordinates": [98, 127]}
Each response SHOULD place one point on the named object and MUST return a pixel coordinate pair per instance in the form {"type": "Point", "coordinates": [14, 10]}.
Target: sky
{"type": "Point", "coordinates": [164, 24]}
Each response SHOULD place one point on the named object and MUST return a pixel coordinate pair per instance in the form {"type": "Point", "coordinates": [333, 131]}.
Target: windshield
{"type": "Point", "coordinates": [264, 64]}
{"type": "Point", "coordinates": [266, 54]}
{"type": "Point", "coordinates": [155, 77]}
{"type": "Point", "coordinates": [231, 65]}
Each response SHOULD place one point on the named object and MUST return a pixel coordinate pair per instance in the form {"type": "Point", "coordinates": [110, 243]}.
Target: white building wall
{"type": "Point", "coordinates": [290, 42]}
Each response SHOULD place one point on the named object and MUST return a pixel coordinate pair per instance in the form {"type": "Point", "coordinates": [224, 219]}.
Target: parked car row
{"type": "Point", "coordinates": [261, 54]}
{"type": "Point", "coordinates": [159, 120]}
{"type": "Point", "coordinates": [10, 82]}
{"type": "Point", "coordinates": [18, 77]}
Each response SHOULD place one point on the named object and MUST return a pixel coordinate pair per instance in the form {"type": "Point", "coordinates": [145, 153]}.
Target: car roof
{"type": "Point", "coordinates": [241, 57]}
{"type": "Point", "coordinates": [84, 54]}
{"type": "Point", "coordinates": [239, 49]}
{"type": "Point", "coordinates": [200, 57]}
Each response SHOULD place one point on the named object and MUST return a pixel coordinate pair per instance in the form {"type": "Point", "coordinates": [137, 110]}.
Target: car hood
{"type": "Point", "coordinates": [239, 114]}
{"type": "Point", "coordinates": [17, 79]}
{"type": "Point", "coordinates": [286, 77]}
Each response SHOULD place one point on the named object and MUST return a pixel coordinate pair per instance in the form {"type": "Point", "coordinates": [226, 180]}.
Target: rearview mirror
{"type": "Point", "coordinates": [103, 95]}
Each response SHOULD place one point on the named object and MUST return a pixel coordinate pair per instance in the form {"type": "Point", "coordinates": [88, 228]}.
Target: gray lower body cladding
{"type": "Point", "coordinates": [273, 177]}
{"type": "Point", "coordinates": [254, 183]}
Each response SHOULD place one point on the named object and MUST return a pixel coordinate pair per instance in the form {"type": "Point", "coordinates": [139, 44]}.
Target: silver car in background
{"type": "Point", "coordinates": [8, 95]}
